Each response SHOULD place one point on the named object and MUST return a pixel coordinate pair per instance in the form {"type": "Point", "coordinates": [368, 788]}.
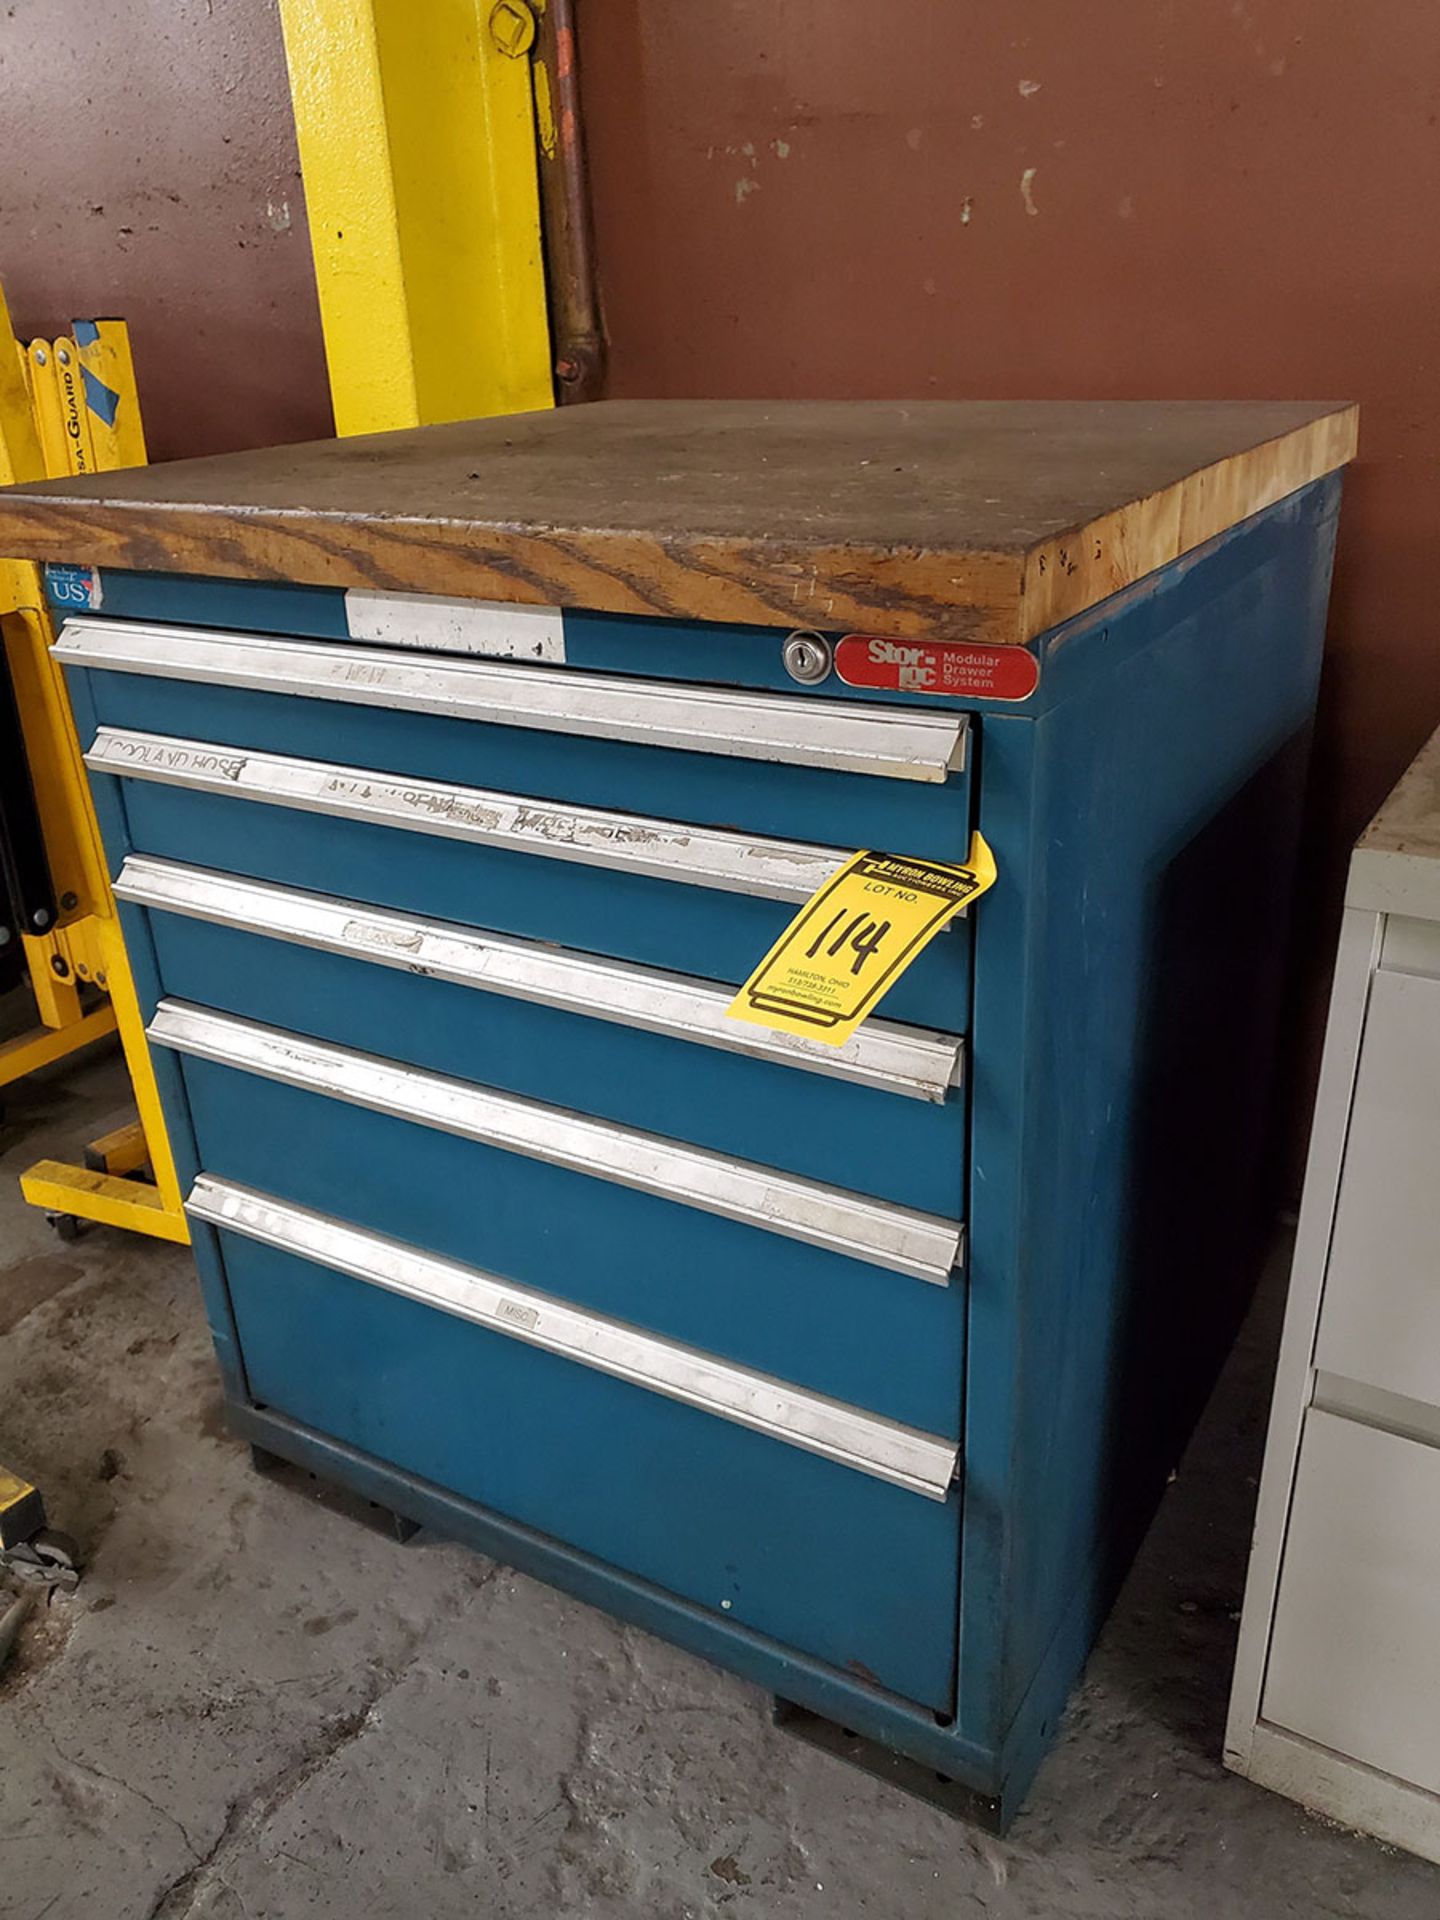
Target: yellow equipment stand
{"type": "Point", "coordinates": [73, 965]}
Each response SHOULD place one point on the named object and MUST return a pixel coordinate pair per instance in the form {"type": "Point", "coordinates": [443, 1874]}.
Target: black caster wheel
{"type": "Point", "coordinates": [67, 1225]}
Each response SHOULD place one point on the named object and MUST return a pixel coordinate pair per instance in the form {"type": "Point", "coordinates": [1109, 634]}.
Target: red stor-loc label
{"type": "Point", "coordinates": [937, 666]}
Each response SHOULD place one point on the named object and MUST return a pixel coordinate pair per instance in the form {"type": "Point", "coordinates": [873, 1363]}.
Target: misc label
{"type": "Point", "coordinates": [518, 1314]}
{"type": "Point", "coordinates": [153, 755]}
{"type": "Point", "coordinates": [75, 588]}
{"type": "Point", "coordinates": [366, 933]}
{"type": "Point", "coordinates": [492, 628]}
{"type": "Point", "coordinates": [937, 666]}
{"type": "Point", "coordinates": [852, 940]}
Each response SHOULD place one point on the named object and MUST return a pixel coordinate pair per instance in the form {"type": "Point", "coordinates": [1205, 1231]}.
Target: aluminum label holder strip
{"type": "Point", "coordinates": [901, 1239]}
{"type": "Point", "coordinates": [714, 857]}
{"type": "Point", "coordinates": [897, 743]}
{"type": "Point", "coordinates": [905, 1456]}
{"type": "Point", "coordinates": [911, 1061]}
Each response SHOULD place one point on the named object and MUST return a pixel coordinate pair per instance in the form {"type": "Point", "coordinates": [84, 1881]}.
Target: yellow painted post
{"type": "Point", "coordinates": [417, 143]}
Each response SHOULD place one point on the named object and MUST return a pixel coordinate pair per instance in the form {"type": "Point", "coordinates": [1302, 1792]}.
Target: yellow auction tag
{"type": "Point", "coordinates": [853, 939]}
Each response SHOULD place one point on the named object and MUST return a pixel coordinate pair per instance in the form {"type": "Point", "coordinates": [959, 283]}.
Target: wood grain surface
{"type": "Point", "coordinates": [979, 520]}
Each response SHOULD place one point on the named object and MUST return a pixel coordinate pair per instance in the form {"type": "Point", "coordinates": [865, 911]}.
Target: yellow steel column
{"type": "Point", "coordinates": [417, 142]}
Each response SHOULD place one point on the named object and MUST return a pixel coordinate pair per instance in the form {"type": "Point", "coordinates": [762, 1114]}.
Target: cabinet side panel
{"type": "Point", "coordinates": [1125, 1032]}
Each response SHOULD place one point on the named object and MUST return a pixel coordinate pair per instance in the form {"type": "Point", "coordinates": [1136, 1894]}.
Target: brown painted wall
{"type": "Point", "coordinates": [901, 198]}
{"type": "Point", "coordinates": [149, 170]}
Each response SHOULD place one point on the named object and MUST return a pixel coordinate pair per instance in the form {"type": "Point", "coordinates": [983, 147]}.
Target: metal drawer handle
{"type": "Point", "coordinates": [907, 1457]}
{"type": "Point", "coordinates": [899, 1238]}
{"type": "Point", "coordinates": [898, 743]}
{"type": "Point", "coordinates": [912, 1061]}
{"type": "Point", "coordinates": [628, 842]}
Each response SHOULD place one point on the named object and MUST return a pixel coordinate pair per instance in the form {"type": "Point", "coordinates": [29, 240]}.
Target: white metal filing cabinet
{"type": "Point", "coordinates": [1337, 1686]}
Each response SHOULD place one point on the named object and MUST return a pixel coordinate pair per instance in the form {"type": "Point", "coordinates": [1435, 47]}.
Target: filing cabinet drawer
{"type": "Point", "coordinates": [849, 1296]}
{"type": "Point", "coordinates": [1352, 1654]}
{"type": "Point", "coordinates": [825, 1557]}
{"type": "Point", "coordinates": [1380, 1313]}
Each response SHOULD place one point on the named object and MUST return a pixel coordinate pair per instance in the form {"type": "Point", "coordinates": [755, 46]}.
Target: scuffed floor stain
{"type": "Point", "coordinates": [1027, 190]}
{"type": "Point", "coordinates": [30, 1283]}
{"type": "Point", "coordinates": [727, 1868]}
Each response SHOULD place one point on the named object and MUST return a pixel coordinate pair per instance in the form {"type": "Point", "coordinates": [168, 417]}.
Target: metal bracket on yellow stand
{"type": "Point", "coordinates": [78, 969]}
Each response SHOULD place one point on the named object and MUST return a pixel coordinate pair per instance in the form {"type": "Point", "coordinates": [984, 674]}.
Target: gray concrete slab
{"type": "Point", "coordinates": [254, 1706]}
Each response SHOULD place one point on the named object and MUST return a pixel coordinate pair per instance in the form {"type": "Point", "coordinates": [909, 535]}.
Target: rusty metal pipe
{"type": "Point", "coordinates": [565, 207]}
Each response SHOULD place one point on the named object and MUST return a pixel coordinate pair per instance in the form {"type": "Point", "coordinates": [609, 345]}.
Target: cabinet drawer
{"type": "Point", "coordinates": [1352, 1655]}
{"type": "Point", "coordinates": [674, 891]}
{"type": "Point", "coordinates": [653, 1051]}
{"type": "Point", "coordinates": [843, 736]}
{"type": "Point", "coordinates": [1380, 1317]}
{"type": "Point", "coordinates": [678, 928]}
{"type": "Point", "coordinates": [833, 1290]}
{"type": "Point", "coordinates": [824, 1554]}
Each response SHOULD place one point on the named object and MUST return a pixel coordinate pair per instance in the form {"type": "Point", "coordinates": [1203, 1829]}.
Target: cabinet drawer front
{"type": "Point", "coordinates": [1352, 1653]}
{"type": "Point", "coordinates": [904, 1456]}
{"type": "Point", "coordinates": [577, 1053]}
{"type": "Point", "coordinates": [909, 1061]}
{"type": "Point", "coordinates": [816, 805]}
{"type": "Point", "coordinates": [900, 1239]}
{"type": "Point", "coordinates": [586, 836]}
{"type": "Point", "coordinates": [426, 869]}
{"type": "Point", "coordinates": [842, 736]}
{"type": "Point", "coordinates": [834, 1562]}
{"type": "Point", "coordinates": [873, 1337]}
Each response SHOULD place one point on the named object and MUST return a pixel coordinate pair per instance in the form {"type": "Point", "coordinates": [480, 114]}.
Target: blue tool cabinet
{"type": "Point", "coordinates": [856, 1370]}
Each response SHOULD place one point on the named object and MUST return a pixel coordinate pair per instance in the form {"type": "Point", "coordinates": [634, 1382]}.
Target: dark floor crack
{"type": "Point", "coordinates": [250, 1813]}
{"type": "Point", "coordinates": [91, 1771]}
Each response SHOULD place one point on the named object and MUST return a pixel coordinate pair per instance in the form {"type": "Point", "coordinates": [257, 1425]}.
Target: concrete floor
{"type": "Point", "coordinates": [254, 1707]}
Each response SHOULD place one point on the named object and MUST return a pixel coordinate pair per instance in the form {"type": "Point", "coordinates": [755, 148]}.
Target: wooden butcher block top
{"type": "Point", "coordinates": [981, 520]}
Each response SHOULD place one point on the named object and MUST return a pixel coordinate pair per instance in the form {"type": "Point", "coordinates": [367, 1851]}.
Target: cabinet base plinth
{"type": "Point", "coordinates": [896, 1769]}
{"type": "Point", "coordinates": [370, 1513]}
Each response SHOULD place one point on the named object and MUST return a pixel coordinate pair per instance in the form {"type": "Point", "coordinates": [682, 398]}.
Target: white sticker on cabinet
{"type": "Point", "coordinates": [497, 628]}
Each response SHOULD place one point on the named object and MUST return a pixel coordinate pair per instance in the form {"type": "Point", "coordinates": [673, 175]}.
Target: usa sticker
{"type": "Point", "coordinates": [937, 666]}
{"type": "Point", "coordinates": [75, 588]}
